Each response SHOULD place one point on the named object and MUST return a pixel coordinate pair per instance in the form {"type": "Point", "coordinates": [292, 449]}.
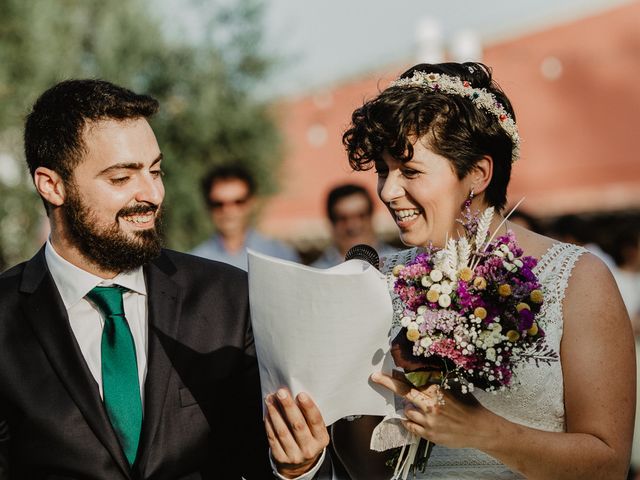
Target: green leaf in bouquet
{"type": "Point", "coordinates": [422, 378]}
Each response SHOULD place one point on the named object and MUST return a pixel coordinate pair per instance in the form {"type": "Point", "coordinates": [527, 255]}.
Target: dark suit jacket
{"type": "Point", "coordinates": [202, 411]}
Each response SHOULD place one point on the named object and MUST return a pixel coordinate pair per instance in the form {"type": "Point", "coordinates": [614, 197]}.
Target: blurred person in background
{"type": "Point", "coordinates": [229, 192]}
{"type": "Point", "coordinates": [526, 220]}
{"type": "Point", "coordinates": [574, 229]}
{"type": "Point", "coordinates": [350, 213]}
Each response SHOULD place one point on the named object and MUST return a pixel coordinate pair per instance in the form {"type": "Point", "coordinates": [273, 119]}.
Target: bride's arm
{"type": "Point", "coordinates": [598, 366]}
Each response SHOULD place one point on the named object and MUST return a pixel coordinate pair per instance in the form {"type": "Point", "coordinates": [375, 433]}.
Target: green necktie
{"type": "Point", "coordinates": [120, 387]}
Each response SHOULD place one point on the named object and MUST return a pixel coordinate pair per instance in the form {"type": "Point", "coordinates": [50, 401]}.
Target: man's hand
{"type": "Point", "coordinates": [296, 432]}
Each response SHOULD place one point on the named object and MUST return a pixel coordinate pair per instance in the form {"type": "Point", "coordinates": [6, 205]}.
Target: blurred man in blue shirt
{"type": "Point", "coordinates": [230, 195]}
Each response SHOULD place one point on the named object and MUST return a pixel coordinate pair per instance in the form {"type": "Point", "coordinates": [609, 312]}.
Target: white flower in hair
{"type": "Point", "coordinates": [480, 97]}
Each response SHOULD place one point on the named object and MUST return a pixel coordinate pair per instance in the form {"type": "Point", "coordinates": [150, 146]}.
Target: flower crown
{"type": "Point", "coordinates": [483, 99]}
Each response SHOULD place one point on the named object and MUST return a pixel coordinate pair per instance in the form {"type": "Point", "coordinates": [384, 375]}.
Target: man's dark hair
{"type": "Point", "coordinates": [227, 172]}
{"type": "Point", "coordinates": [452, 124]}
{"type": "Point", "coordinates": [341, 191]}
{"type": "Point", "coordinates": [53, 130]}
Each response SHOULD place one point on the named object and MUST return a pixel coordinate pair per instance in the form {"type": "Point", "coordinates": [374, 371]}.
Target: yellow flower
{"type": "Point", "coordinates": [513, 336]}
{"type": "Point", "coordinates": [433, 295]}
{"type": "Point", "coordinates": [413, 335]}
{"type": "Point", "coordinates": [465, 274]}
{"type": "Point", "coordinates": [504, 290]}
{"type": "Point", "coordinates": [536, 296]}
{"type": "Point", "coordinates": [480, 313]}
{"type": "Point", "coordinates": [480, 283]}
{"type": "Point", "coordinates": [397, 269]}
{"type": "Point", "coordinates": [533, 331]}
{"type": "Point", "coordinates": [522, 306]}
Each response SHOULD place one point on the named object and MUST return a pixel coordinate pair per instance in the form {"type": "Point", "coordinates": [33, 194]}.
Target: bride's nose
{"type": "Point", "coordinates": [390, 187]}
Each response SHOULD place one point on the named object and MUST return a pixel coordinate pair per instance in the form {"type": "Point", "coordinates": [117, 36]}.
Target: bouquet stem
{"type": "Point", "coordinates": [415, 460]}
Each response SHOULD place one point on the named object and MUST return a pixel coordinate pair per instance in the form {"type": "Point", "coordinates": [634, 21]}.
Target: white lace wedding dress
{"type": "Point", "coordinates": [538, 399]}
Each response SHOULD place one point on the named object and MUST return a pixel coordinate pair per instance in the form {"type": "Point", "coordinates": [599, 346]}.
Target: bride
{"type": "Point", "coordinates": [440, 137]}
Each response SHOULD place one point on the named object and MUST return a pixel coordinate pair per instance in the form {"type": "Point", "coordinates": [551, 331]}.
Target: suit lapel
{"type": "Point", "coordinates": [164, 305]}
{"type": "Point", "coordinates": [45, 311]}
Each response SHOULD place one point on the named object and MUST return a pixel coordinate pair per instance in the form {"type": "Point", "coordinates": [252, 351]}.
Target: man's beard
{"type": "Point", "coordinates": [110, 248]}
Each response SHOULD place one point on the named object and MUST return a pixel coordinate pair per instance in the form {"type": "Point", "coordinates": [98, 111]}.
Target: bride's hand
{"type": "Point", "coordinates": [438, 416]}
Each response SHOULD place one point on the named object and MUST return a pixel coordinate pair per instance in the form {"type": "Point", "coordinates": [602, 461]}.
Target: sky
{"type": "Point", "coordinates": [320, 42]}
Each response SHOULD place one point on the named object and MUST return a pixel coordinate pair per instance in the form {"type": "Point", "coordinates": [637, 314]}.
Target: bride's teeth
{"type": "Point", "coordinates": [404, 214]}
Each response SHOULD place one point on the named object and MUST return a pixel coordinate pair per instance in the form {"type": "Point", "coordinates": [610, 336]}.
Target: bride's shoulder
{"type": "Point", "coordinates": [388, 262]}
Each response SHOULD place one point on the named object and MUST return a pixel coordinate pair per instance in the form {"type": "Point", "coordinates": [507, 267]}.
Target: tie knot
{"type": "Point", "coordinates": [108, 299]}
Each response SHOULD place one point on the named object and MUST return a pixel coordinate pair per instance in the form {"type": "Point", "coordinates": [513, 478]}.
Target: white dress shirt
{"type": "Point", "coordinates": [86, 321]}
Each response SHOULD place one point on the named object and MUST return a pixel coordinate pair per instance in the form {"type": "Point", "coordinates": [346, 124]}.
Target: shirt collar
{"type": "Point", "coordinates": [74, 283]}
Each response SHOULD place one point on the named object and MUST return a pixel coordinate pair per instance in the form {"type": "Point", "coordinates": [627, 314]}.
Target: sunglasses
{"type": "Point", "coordinates": [217, 205]}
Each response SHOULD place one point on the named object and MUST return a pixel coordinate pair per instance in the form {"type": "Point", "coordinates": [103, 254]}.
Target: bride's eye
{"type": "Point", "coordinates": [410, 173]}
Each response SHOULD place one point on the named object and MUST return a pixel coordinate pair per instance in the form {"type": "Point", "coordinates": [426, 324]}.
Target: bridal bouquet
{"type": "Point", "coordinates": [470, 312]}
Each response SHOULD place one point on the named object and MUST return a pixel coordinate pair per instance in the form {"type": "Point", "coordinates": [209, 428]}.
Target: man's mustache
{"type": "Point", "coordinates": [137, 210]}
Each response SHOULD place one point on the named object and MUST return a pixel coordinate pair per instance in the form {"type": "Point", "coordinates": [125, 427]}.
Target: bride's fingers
{"type": "Point", "coordinates": [420, 400]}
{"type": "Point", "coordinates": [396, 386]}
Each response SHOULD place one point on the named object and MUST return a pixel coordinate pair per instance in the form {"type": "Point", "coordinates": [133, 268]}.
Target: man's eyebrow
{"type": "Point", "coordinates": [129, 166]}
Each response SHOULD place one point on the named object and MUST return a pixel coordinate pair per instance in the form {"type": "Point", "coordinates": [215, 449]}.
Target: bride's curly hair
{"type": "Point", "coordinates": [452, 126]}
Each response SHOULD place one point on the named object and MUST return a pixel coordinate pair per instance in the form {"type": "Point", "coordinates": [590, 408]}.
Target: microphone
{"type": "Point", "coordinates": [363, 252]}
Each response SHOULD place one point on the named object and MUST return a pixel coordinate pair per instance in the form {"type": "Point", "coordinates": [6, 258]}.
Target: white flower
{"type": "Point", "coordinates": [419, 319]}
{"type": "Point", "coordinates": [490, 354]}
{"type": "Point", "coordinates": [405, 321]}
{"type": "Point", "coordinates": [446, 288]}
{"type": "Point", "coordinates": [444, 300]}
{"type": "Point", "coordinates": [422, 309]}
{"type": "Point", "coordinates": [436, 275]}
{"type": "Point", "coordinates": [426, 281]}
{"type": "Point", "coordinates": [436, 287]}
{"type": "Point", "coordinates": [518, 263]}
{"type": "Point", "coordinates": [510, 267]}
{"type": "Point", "coordinates": [426, 342]}
{"type": "Point", "coordinates": [412, 326]}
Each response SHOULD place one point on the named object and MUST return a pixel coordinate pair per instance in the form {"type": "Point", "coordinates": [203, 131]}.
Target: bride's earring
{"type": "Point", "coordinates": [467, 203]}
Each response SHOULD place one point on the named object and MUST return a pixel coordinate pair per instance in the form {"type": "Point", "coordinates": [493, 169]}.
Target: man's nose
{"type": "Point", "coordinates": [151, 190]}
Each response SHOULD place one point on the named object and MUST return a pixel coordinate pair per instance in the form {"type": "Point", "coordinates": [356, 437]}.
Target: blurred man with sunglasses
{"type": "Point", "coordinates": [230, 195]}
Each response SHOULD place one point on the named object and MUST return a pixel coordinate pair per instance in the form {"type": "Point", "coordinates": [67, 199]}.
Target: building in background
{"type": "Point", "coordinates": [576, 95]}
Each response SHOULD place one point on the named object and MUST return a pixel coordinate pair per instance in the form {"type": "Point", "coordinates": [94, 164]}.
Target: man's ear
{"type": "Point", "coordinates": [49, 185]}
{"type": "Point", "coordinates": [481, 174]}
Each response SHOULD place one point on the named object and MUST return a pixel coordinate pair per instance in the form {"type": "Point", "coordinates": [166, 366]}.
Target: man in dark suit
{"type": "Point", "coordinates": [121, 360]}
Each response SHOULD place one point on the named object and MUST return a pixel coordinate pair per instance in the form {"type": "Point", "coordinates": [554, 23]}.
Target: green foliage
{"type": "Point", "coordinates": [208, 114]}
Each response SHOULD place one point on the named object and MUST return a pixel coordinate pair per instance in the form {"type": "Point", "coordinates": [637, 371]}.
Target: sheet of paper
{"type": "Point", "coordinates": [323, 332]}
